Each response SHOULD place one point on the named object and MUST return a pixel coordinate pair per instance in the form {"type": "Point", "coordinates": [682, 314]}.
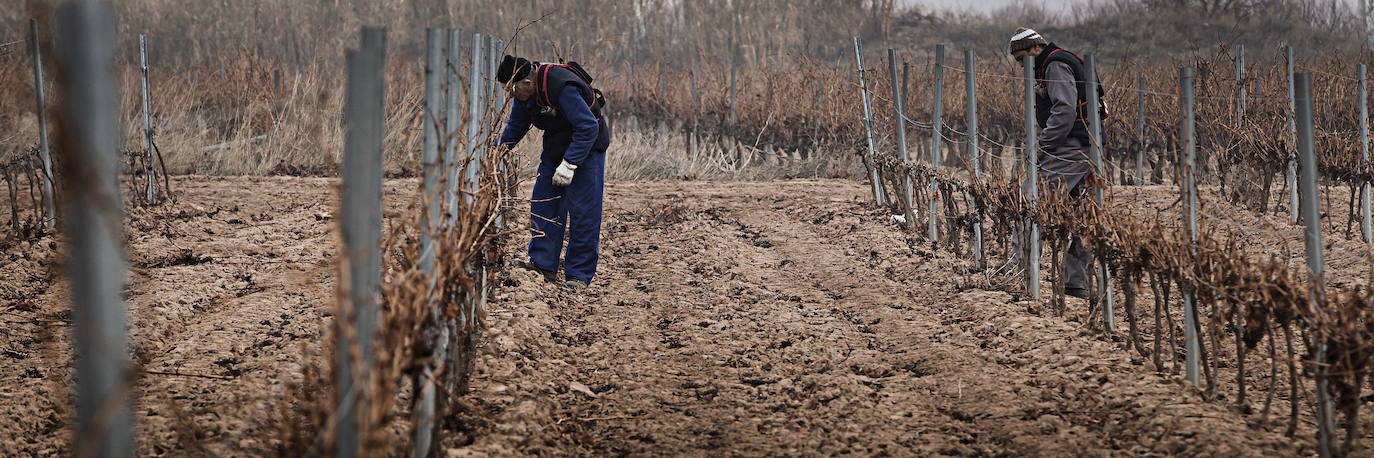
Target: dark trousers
{"type": "Point", "coordinates": [575, 210]}
{"type": "Point", "coordinates": [1077, 259]}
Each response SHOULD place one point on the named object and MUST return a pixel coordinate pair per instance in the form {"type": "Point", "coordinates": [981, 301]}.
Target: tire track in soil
{"type": "Point", "coordinates": [786, 318]}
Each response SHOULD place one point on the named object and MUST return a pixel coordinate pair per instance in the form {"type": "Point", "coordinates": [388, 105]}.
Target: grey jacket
{"type": "Point", "coordinates": [1062, 158]}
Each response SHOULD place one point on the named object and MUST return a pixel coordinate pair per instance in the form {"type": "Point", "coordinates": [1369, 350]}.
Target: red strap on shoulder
{"type": "Point", "coordinates": [544, 84]}
{"type": "Point", "coordinates": [543, 76]}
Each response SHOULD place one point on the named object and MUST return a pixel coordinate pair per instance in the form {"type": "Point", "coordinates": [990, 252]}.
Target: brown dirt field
{"type": "Point", "coordinates": [230, 289]}
{"type": "Point", "coordinates": [740, 318]}
{"type": "Point", "coordinates": [787, 319]}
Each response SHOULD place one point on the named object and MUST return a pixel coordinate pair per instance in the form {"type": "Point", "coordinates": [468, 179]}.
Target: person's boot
{"type": "Point", "coordinates": [549, 275]}
{"type": "Point", "coordinates": [574, 284]}
{"type": "Point", "coordinates": [1081, 293]}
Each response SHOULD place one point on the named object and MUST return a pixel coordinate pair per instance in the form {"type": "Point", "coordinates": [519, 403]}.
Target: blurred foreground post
{"type": "Point", "coordinates": [1104, 279]}
{"type": "Point", "coordinates": [361, 220]}
{"type": "Point", "coordinates": [437, 74]}
{"type": "Point", "coordinates": [1311, 208]}
{"type": "Point", "coordinates": [899, 112]}
{"type": "Point", "coordinates": [94, 225]}
{"type": "Point", "coordinates": [879, 198]}
{"type": "Point", "coordinates": [1191, 340]}
{"type": "Point", "coordinates": [49, 210]}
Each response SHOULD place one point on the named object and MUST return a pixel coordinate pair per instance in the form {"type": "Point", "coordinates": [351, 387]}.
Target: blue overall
{"type": "Point", "coordinates": [576, 206]}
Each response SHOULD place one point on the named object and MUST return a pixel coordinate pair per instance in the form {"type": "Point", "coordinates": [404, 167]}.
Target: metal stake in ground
{"type": "Point", "coordinates": [94, 228]}
{"type": "Point", "coordinates": [971, 118]}
{"type": "Point", "coordinates": [1310, 208]}
{"type": "Point", "coordinates": [1292, 171]}
{"type": "Point", "coordinates": [906, 96]}
{"type": "Point", "coordinates": [1104, 279]}
{"type": "Point", "coordinates": [734, 91]}
{"type": "Point", "coordinates": [692, 140]}
{"type": "Point", "coordinates": [1191, 340]}
{"type": "Point", "coordinates": [1240, 84]}
{"type": "Point", "coordinates": [899, 113]}
{"type": "Point", "coordinates": [452, 122]}
{"type": "Point", "coordinates": [360, 218]}
{"type": "Point", "coordinates": [1140, 133]}
{"type": "Point", "coordinates": [431, 170]}
{"type": "Point", "coordinates": [1032, 181]}
{"type": "Point", "coordinates": [476, 101]}
{"type": "Point", "coordinates": [879, 198]}
{"type": "Point", "coordinates": [49, 210]}
{"type": "Point", "coordinates": [491, 58]}
{"type": "Point", "coordinates": [484, 87]}
{"type": "Point", "coordinates": [1240, 91]}
{"type": "Point", "coordinates": [936, 127]}
{"type": "Point", "coordinates": [429, 158]}
{"type": "Point", "coordinates": [1365, 220]}
{"type": "Point", "coordinates": [150, 172]}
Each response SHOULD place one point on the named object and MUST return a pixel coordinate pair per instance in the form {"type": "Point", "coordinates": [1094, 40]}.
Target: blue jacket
{"type": "Point", "coordinates": [585, 132]}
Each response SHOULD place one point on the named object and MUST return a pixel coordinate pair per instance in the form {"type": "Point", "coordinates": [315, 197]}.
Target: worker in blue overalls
{"type": "Point", "coordinates": [559, 100]}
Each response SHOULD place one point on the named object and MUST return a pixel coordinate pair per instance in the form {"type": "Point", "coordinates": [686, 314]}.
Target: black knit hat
{"type": "Point", "coordinates": [513, 68]}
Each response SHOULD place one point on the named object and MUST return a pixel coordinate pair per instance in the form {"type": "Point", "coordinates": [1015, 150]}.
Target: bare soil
{"type": "Point", "coordinates": [789, 319]}
{"type": "Point", "coordinates": [773, 318]}
{"type": "Point", "coordinates": [230, 291]}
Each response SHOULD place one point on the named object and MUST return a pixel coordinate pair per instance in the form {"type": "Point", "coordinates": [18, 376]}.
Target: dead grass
{"type": "Point", "coordinates": [662, 153]}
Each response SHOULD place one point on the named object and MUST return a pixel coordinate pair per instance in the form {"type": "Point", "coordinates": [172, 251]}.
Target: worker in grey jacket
{"type": "Point", "coordinates": [1061, 110]}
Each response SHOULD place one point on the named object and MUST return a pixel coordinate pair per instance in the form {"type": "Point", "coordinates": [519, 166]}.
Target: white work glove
{"type": "Point", "coordinates": [564, 175]}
